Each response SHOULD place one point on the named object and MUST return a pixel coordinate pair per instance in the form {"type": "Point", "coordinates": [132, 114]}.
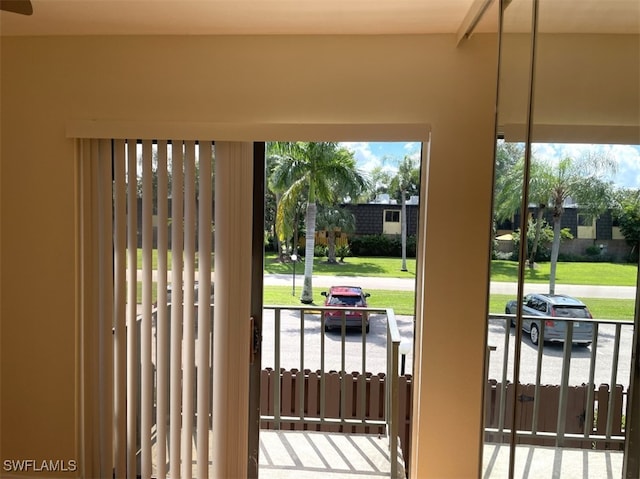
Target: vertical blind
{"type": "Point", "coordinates": [154, 314]}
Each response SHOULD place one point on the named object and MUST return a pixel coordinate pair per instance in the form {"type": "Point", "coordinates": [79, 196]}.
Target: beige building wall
{"type": "Point", "coordinates": [174, 82]}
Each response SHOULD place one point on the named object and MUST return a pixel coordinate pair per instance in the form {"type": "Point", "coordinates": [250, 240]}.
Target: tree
{"type": "Point", "coordinates": [627, 213]}
{"type": "Point", "coordinates": [380, 180]}
{"type": "Point", "coordinates": [582, 180]}
{"type": "Point", "coordinates": [509, 186]}
{"type": "Point", "coordinates": [323, 173]}
{"type": "Point", "coordinates": [334, 218]}
{"type": "Point", "coordinates": [508, 179]}
{"type": "Point", "coordinates": [406, 182]}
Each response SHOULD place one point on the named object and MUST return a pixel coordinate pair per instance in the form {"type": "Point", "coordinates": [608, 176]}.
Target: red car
{"type": "Point", "coordinates": [351, 298]}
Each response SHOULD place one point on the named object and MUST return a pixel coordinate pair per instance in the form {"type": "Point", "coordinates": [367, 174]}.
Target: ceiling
{"type": "Point", "coordinates": [227, 17]}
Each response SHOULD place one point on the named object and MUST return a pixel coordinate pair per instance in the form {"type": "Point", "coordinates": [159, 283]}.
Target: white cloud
{"type": "Point", "coordinates": [411, 146]}
{"type": "Point", "coordinates": [362, 153]}
{"type": "Point", "coordinates": [627, 157]}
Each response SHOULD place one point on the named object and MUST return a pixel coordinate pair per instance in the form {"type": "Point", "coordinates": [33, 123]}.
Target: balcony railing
{"type": "Point", "coordinates": [296, 320]}
{"type": "Point", "coordinates": [610, 400]}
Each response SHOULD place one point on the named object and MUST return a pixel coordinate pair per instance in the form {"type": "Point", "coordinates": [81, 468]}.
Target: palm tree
{"type": "Point", "coordinates": [334, 218]}
{"type": "Point", "coordinates": [582, 180]}
{"type": "Point", "coordinates": [508, 190]}
{"type": "Point", "coordinates": [406, 181]}
{"type": "Point", "coordinates": [326, 174]}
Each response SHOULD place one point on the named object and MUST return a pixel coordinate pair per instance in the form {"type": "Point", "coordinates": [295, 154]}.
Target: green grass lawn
{"type": "Point", "coordinates": [352, 266]}
{"type": "Point", "coordinates": [604, 274]}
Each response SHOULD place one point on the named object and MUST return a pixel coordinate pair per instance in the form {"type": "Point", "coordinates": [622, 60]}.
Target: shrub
{"type": "Point", "coordinates": [343, 251]}
{"type": "Point", "coordinates": [382, 245]}
{"type": "Point", "coordinates": [543, 253]}
{"type": "Point", "coordinates": [586, 258]}
{"type": "Point", "coordinates": [320, 251]}
{"type": "Point", "coordinates": [593, 250]}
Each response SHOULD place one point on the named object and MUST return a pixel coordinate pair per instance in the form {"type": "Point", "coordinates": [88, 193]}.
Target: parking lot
{"type": "Point", "coordinates": [375, 350]}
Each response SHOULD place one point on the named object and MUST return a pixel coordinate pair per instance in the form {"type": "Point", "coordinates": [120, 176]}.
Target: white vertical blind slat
{"type": "Point", "coordinates": [105, 305]}
{"type": "Point", "coordinates": [204, 311]}
{"type": "Point", "coordinates": [147, 392]}
{"type": "Point", "coordinates": [232, 332]}
{"type": "Point", "coordinates": [188, 354]}
{"type": "Point", "coordinates": [162, 322]}
{"type": "Point", "coordinates": [132, 329]}
{"type": "Point", "coordinates": [177, 212]}
{"type": "Point", "coordinates": [120, 325]}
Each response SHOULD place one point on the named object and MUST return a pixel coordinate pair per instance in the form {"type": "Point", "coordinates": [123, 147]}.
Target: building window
{"type": "Point", "coordinates": [391, 224]}
{"type": "Point", "coordinates": [391, 216]}
{"type": "Point", "coordinates": [584, 220]}
{"type": "Point", "coordinates": [586, 226]}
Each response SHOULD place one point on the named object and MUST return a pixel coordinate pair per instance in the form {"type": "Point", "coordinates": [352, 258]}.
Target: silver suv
{"type": "Point", "coordinates": [555, 308]}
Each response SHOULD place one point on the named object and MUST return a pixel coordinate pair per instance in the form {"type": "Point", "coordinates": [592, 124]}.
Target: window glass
{"type": "Point", "coordinates": [392, 216]}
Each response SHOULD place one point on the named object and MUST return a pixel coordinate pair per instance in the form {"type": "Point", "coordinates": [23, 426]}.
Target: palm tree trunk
{"type": "Point", "coordinates": [331, 246]}
{"type": "Point", "coordinates": [279, 245]}
{"type": "Point", "coordinates": [555, 249]}
{"type": "Point", "coordinates": [310, 223]}
{"type": "Point", "coordinates": [403, 229]}
{"type": "Point", "coordinates": [536, 238]}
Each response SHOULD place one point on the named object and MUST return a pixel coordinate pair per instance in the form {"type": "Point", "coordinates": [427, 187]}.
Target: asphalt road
{"type": "Point", "coordinates": [376, 340]}
{"type": "Point", "coordinates": [551, 372]}
{"type": "Point", "coordinates": [375, 344]}
{"type": "Point", "coordinates": [375, 350]}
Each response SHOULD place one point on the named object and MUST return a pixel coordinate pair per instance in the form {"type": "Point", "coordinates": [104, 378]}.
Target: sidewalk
{"type": "Point", "coordinates": [401, 284]}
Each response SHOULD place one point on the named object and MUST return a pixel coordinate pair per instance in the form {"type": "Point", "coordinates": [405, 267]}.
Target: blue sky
{"type": "Point", "coordinates": [388, 155]}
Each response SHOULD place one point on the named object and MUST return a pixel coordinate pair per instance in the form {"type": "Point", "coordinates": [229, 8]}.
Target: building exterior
{"type": "Point", "coordinates": [602, 232]}
{"type": "Point", "coordinates": [381, 218]}
{"type": "Point", "coordinates": [70, 75]}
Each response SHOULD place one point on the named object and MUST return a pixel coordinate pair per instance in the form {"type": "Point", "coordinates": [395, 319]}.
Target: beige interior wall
{"type": "Point", "coordinates": [587, 88]}
{"type": "Point", "coordinates": [49, 82]}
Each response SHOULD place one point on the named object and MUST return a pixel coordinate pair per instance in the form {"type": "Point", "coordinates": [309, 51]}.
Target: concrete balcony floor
{"type": "Point", "coordinates": [310, 454]}
{"type": "Point", "coordinates": [307, 455]}
{"type": "Point", "coordinates": [549, 462]}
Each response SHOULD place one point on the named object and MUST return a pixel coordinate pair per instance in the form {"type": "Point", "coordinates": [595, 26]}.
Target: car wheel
{"type": "Point", "coordinates": [535, 334]}
{"type": "Point", "coordinates": [327, 328]}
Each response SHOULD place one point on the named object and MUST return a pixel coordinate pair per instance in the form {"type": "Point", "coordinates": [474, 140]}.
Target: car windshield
{"type": "Point", "coordinates": [569, 312]}
{"type": "Point", "coordinates": [340, 300]}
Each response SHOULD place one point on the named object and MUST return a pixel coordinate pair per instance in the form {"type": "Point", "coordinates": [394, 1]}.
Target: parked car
{"type": "Point", "coordinates": [351, 298]}
{"type": "Point", "coordinates": [553, 306]}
